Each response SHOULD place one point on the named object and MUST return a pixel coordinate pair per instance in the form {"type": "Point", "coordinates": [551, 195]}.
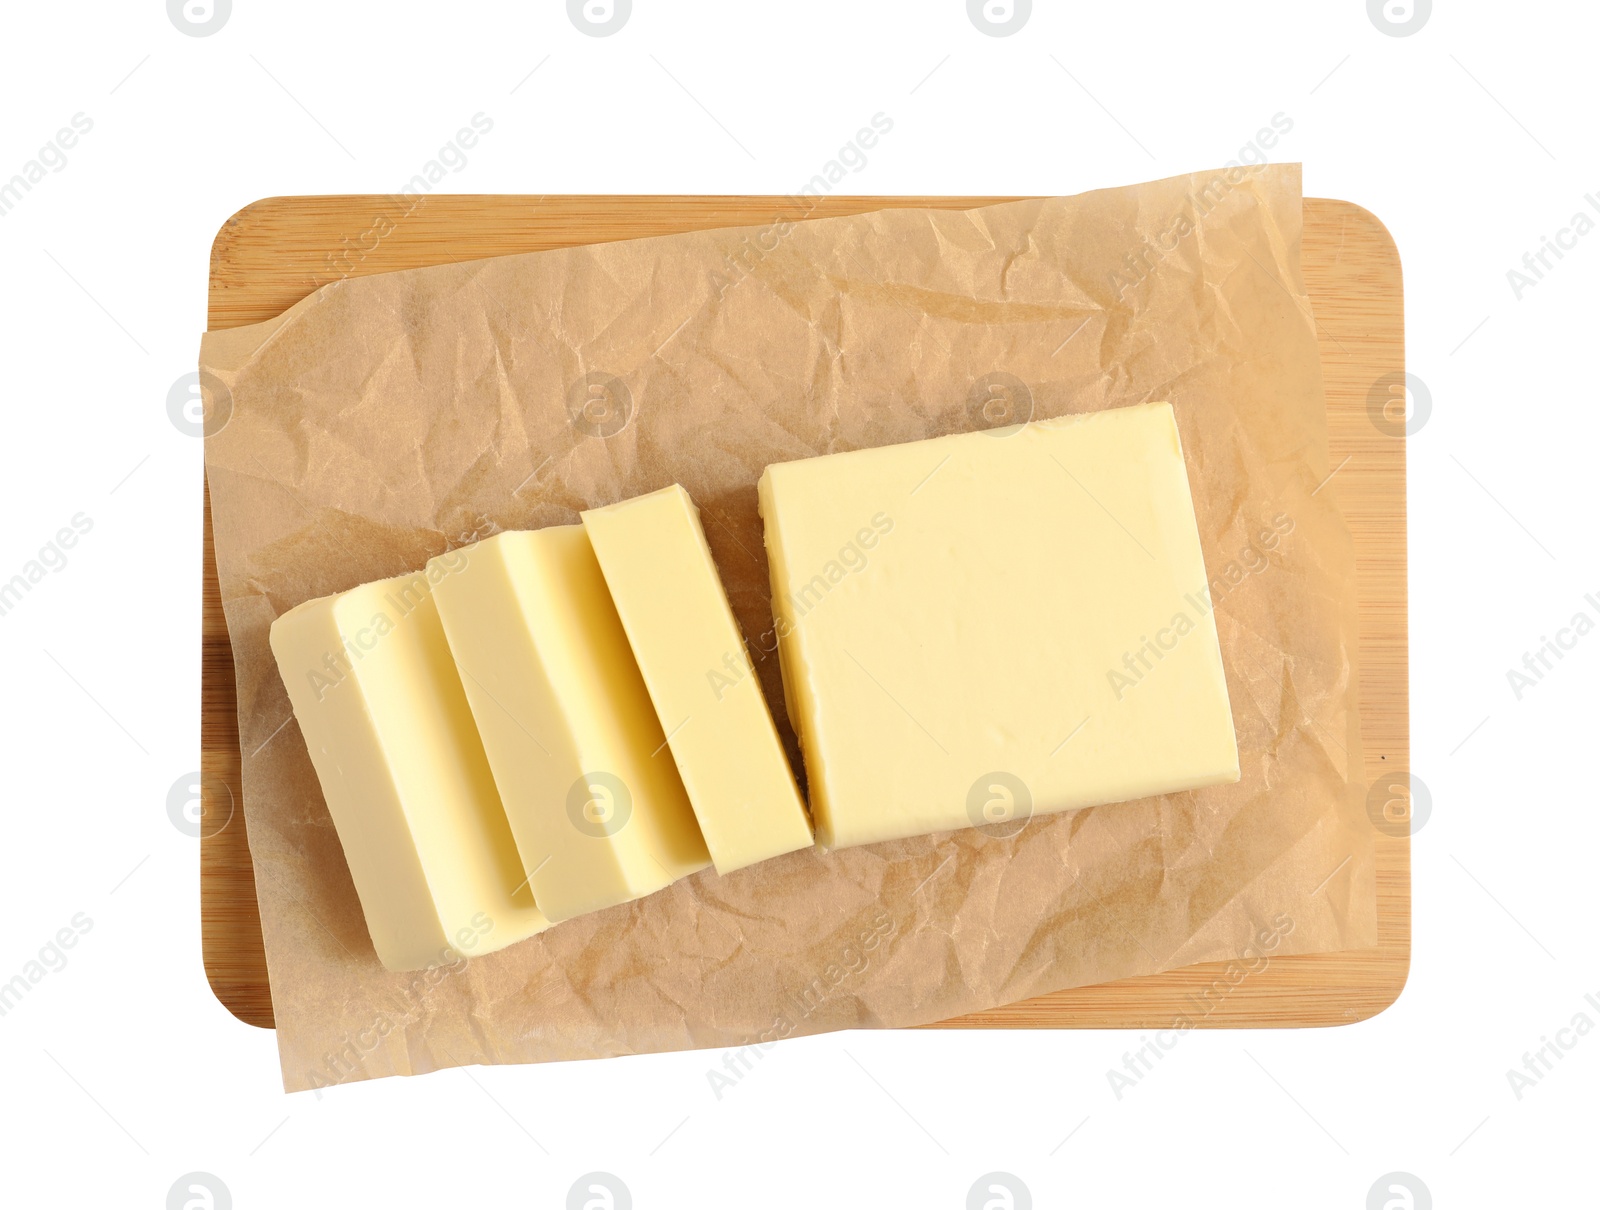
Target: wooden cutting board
{"type": "Point", "coordinates": [276, 251]}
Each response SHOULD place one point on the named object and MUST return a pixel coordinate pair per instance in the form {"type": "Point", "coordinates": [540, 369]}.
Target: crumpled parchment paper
{"type": "Point", "coordinates": [385, 419]}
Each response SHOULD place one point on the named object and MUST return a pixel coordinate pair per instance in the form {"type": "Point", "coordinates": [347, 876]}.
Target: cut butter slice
{"type": "Point", "coordinates": [978, 628]}
{"type": "Point", "coordinates": [593, 797]}
{"type": "Point", "coordinates": [403, 772]}
{"type": "Point", "coordinates": [659, 569]}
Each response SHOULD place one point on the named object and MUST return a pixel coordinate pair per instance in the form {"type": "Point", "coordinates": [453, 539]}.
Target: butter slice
{"type": "Point", "coordinates": [404, 775]}
{"type": "Point", "coordinates": [595, 802]}
{"type": "Point", "coordinates": [658, 566]}
{"type": "Point", "coordinates": [978, 628]}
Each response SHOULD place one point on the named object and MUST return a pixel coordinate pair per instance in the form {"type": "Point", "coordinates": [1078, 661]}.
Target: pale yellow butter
{"type": "Point", "coordinates": [590, 788]}
{"type": "Point", "coordinates": [977, 628]}
{"type": "Point", "coordinates": [384, 717]}
{"type": "Point", "coordinates": [659, 569]}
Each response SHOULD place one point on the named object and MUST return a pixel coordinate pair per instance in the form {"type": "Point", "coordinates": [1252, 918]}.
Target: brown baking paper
{"type": "Point", "coordinates": [385, 419]}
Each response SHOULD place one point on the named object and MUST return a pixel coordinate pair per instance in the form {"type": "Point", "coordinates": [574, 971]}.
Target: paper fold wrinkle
{"type": "Point", "coordinates": [385, 419]}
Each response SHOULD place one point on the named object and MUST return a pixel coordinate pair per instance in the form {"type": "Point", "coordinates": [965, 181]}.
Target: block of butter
{"type": "Point", "coordinates": [383, 714]}
{"type": "Point", "coordinates": [593, 796]}
{"type": "Point", "coordinates": [978, 628]}
{"type": "Point", "coordinates": [659, 569]}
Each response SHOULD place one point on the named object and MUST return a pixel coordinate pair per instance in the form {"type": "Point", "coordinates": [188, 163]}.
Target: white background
{"type": "Point", "coordinates": [1472, 139]}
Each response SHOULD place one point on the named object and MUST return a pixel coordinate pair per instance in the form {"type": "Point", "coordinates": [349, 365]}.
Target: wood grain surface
{"type": "Point", "coordinates": [276, 251]}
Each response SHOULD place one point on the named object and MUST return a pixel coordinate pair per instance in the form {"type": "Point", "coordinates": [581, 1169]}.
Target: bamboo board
{"type": "Point", "coordinates": [276, 251]}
